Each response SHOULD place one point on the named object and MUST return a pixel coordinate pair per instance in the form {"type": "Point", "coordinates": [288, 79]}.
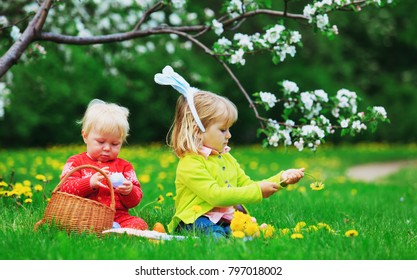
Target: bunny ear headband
{"type": "Point", "coordinates": [171, 78]}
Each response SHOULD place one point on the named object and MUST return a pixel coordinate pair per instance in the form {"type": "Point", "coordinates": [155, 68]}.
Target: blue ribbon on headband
{"type": "Point", "coordinates": [171, 78]}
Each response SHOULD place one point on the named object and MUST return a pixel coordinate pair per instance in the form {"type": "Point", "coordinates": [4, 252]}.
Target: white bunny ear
{"type": "Point", "coordinates": [171, 78]}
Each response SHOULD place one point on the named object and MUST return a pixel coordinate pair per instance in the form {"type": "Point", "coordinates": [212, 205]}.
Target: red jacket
{"type": "Point", "coordinates": [79, 182]}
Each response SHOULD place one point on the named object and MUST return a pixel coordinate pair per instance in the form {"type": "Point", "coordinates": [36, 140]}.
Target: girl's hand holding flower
{"type": "Point", "coordinates": [292, 176]}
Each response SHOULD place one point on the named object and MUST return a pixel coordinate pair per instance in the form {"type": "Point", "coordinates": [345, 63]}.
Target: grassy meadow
{"type": "Point", "coordinates": [383, 214]}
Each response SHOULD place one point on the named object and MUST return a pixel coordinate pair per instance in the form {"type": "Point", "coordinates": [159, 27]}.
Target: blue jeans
{"type": "Point", "coordinates": [204, 225]}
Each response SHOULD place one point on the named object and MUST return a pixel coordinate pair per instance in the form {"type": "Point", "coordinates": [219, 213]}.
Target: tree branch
{"type": "Point", "coordinates": [158, 6]}
{"type": "Point", "coordinates": [13, 54]}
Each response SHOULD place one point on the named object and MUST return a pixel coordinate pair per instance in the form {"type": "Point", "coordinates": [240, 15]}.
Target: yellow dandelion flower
{"type": "Point", "coordinates": [197, 208]}
{"type": "Point", "coordinates": [26, 183]}
{"type": "Point", "coordinates": [299, 226]}
{"type": "Point", "coordinates": [284, 231]}
{"type": "Point", "coordinates": [160, 186]}
{"type": "Point", "coordinates": [325, 226]}
{"type": "Point", "coordinates": [144, 178]}
{"type": "Point", "coordinates": [169, 194]}
{"type": "Point", "coordinates": [160, 199]}
{"type": "Point", "coordinates": [268, 231]}
{"type": "Point", "coordinates": [317, 186]}
{"type": "Point", "coordinates": [28, 200]}
{"type": "Point", "coordinates": [297, 236]}
{"type": "Point", "coordinates": [38, 188]}
{"type": "Point", "coordinates": [252, 229]}
{"type": "Point", "coordinates": [3, 184]}
{"type": "Point", "coordinates": [40, 177]}
{"type": "Point", "coordinates": [238, 234]}
{"type": "Point", "coordinates": [351, 233]}
{"type": "Point", "coordinates": [237, 225]}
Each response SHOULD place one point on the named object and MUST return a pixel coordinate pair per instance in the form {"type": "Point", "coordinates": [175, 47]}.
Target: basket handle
{"type": "Point", "coordinates": [112, 203]}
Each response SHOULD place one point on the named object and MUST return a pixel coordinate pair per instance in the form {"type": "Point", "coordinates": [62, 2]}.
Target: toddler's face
{"type": "Point", "coordinates": [102, 146]}
{"type": "Point", "coordinates": [216, 136]}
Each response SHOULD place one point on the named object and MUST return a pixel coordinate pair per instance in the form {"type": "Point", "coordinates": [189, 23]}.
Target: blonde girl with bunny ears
{"type": "Point", "coordinates": [210, 184]}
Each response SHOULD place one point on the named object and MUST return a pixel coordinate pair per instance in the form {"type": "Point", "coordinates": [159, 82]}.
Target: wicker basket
{"type": "Point", "coordinates": [77, 214]}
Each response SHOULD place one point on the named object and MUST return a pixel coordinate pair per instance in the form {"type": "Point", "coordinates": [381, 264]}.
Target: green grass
{"type": "Point", "coordinates": [383, 213]}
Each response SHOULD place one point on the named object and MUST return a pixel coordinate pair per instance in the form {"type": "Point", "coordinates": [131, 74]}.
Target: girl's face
{"type": "Point", "coordinates": [216, 136]}
{"type": "Point", "coordinates": [102, 146]}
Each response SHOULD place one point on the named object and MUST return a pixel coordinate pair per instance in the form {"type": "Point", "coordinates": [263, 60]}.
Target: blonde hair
{"type": "Point", "coordinates": [185, 134]}
{"type": "Point", "coordinates": [106, 118]}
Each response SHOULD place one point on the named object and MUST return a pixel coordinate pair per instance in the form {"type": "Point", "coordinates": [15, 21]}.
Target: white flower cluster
{"type": "Point", "coordinates": [316, 13]}
{"type": "Point", "coordinates": [313, 125]}
{"type": "Point", "coordinates": [277, 38]}
{"type": "Point", "coordinates": [4, 97]}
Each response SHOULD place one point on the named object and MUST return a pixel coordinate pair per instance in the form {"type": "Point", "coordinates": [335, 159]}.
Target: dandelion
{"type": "Point", "coordinates": [284, 231]}
{"type": "Point", "coordinates": [252, 229]}
{"type": "Point", "coordinates": [40, 177]}
{"type": "Point", "coordinates": [299, 226]}
{"type": "Point", "coordinates": [237, 224]}
{"type": "Point", "coordinates": [144, 178]}
{"type": "Point", "coordinates": [317, 186]}
{"type": "Point", "coordinates": [169, 194]}
{"type": "Point", "coordinates": [297, 236]}
{"type": "Point", "coordinates": [38, 188]}
{"type": "Point", "coordinates": [160, 199]}
{"type": "Point", "coordinates": [351, 233]}
{"type": "Point", "coordinates": [28, 200]}
{"type": "Point", "coordinates": [238, 234]}
{"type": "Point", "coordinates": [268, 231]}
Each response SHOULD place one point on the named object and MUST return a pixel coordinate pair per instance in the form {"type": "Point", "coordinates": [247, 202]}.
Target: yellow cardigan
{"type": "Point", "coordinates": [216, 181]}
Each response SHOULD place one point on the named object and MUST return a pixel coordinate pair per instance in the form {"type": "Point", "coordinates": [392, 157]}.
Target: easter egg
{"type": "Point", "coordinates": [159, 227]}
{"type": "Point", "coordinates": [117, 179]}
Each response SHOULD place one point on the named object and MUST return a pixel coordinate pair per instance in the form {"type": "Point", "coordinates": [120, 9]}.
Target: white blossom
{"type": "Point", "coordinates": [218, 27]}
{"type": "Point", "coordinates": [299, 144]}
{"type": "Point", "coordinates": [15, 33]}
{"type": "Point", "coordinates": [209, 13]}
{"type": "Point", "coordinates": [224, 42]}
{"type": "Point", "coordinates": [268, 98]}
{"type": "Point", "coordinates": [290, 86]}
{"type": "Point", "coordinates": [322, 21]}
{"type": "Point", "coordinates": [237, 57]}
{"type": "Point", "coordinates": [295, 37]}
{"type": "Point", "coordinates": [358, 126]}
{"type": "Point", "coordinates": [380, 111]}
{"type": "Point", "coordinates": [273, 140]}
{"type": "Point", "coordinates": [174, 19]}
{"type": "Point", "coordinates": [3, 21]}
{"type": "Point", "coordinates": [322, 95]}
{"type": "Point", "coordinates": [178, 4]}
{"type": "Point", "coordinates": [273, 34]}
{"type": "Point", "coordinates": [308, 12]}
{"type": "Point", "coordinates": [344, 123]}
{"type": "Point", "coordinates": [243, 41]}
{"type": "Point", "coordinates": [307, 99]}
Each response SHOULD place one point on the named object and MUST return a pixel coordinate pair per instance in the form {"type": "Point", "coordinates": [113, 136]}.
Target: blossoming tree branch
{"type": "Point", "coordinates": [307, 116]}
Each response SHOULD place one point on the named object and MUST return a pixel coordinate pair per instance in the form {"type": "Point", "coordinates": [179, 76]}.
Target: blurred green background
{"type": "Point", "coordinates": [374, 55]}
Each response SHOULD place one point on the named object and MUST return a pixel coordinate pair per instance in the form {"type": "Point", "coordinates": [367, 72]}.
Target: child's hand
{"type": "Point", "coordinates": [292, 176]}
{"type": "Point", "coordinates": [95, 180]}
{"type": "Point", "coordinates": [126, 188]}
{"type": "Point", "coordinates": [268, 188]}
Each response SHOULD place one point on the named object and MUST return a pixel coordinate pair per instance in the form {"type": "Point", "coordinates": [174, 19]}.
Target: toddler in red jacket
{"type": "Point", "coordinates": [105, 127]}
